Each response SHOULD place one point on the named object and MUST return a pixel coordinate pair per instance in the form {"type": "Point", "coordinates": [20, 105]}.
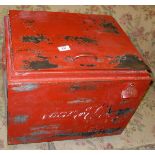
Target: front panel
{"type": "Point", "coordinates": [67, 110]}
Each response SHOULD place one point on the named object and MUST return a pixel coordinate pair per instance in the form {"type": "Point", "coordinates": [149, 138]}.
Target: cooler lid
{"type": "Point", "coordinates": [55, 41]}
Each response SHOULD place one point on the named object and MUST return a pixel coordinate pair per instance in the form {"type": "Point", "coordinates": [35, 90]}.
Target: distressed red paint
{"type": "Point", "coordinates": [69, 76]}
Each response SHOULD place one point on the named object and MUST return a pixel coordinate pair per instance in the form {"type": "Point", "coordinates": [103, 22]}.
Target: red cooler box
{"type": "Point", "coordinates": [69, 76]}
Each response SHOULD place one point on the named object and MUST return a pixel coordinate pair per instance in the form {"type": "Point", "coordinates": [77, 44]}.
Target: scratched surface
{"type": "Point", "coordinates": [128, 139]}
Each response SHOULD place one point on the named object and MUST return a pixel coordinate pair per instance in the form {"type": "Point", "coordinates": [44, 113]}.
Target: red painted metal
{"type": "Point", "coordinates": [69, 76]}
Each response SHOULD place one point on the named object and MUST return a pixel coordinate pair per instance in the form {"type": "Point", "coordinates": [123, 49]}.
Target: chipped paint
{"type": "Point", "coordinates": [109, 27]}
{"type": "Point", "coordinates": [80, 100]}
{"type": "Point", "coordinates": [46, 127]}
{"type": "Point", "coordinates": [88, 65]}
{"type": "Point", "coordinates": [80, 39]}
{"type": "Point", "coordinates": [123, 111]}
{"type": "Point", "coordinates": [44, 64]}
{"type": "Point", "coordinates": [25, 87]}
{"type": "Point", "coordinates": [26, 139]}
{"type": "Point", "coordinates": [92, 133]}
{"type": "Point", "coordinates": [109, 110]}
{"type": "Point", "coordinates": [78, 87]}
{"type": "Point", "coordinates": [39, 132]}
{"type": "Point", "coordinates": [34, 39]}
{"type": "Point", "coordinates": [119, 112]}
{"type": "Point", "coordinates": [42, 57]}
{"type": "Point", "coordinates": [20, 119]}
{"type": "Point", "coordinates": [32, 138]}
{"type": "Point", "coordinates": [131, 62]}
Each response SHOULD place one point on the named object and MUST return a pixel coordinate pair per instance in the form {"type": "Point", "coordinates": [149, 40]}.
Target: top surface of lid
{"type": "Point", "coordinates": [45, 41]}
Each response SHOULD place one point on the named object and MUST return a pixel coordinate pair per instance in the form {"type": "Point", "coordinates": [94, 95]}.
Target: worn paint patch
{"type": "Point", "coordinates": [92, 133]}
{"type": "Point", "coordinates": [44, 64]}
{"type": "Point", "coordinates": [20, 119]}
{"type": "Point", "coordinates": [123, 111]}
{"type": "Point", "coordinates": [131, 62]}
{"type": "Point", "coordinates": [25, 87]}
{"type": "Point", "coordinates": [39, 132]}
{"type": "Point", "coordinates": [119, 112]}
{"type": "Point", "coordinates": [109, 27]}
{"type": "Point", "coordinates": [31, 138]}
{"type": "Point", "coordinates": [34, 39]}
{"type": "Point", "coordinates": [88, 65]}
{"type": "Point", "coordinates": [80, 39]}
{"type": "Point", "coordinates": [42, 57]}
{"type": "Point", "coordinates": [77, 87]}
{"type": "Point", "coordinates": [46, 127]}
{"type": "Point", "coordinates": [80, 100]}
{"type": "Point", "coordinates": [26, 139]}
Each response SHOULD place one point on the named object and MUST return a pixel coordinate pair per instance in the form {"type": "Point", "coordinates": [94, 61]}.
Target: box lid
{"type": "Point", "coordinates": [55, 41]}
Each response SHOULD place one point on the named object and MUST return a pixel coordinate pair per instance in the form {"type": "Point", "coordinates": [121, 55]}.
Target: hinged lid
{"type": "Point", "coordinates": [54, 41]}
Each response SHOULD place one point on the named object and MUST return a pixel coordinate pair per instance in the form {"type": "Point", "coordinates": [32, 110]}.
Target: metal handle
{"type": "Point", "coordinates": [85, 55]}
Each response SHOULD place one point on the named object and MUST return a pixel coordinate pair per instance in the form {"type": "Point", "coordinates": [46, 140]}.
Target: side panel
{"type": "Point", "coordinates": [55, 111]}
{"type": "Point", "coordinates": [4, 73]}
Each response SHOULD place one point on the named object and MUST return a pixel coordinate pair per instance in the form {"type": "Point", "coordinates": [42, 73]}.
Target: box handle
{"type": "Point", "coordinates": [85, 55]}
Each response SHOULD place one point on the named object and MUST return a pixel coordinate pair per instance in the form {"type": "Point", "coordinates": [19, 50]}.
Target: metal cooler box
{"type": "Point", "coordinates": [69, 76]}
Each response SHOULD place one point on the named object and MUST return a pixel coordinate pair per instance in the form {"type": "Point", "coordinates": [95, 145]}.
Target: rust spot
{"type": "Point", "coordinates": [20, 118]}
{"type": "Point", "coordinates": [80, 39]}
{"type": "Point", "coordinates": [131, 62]}
{"type": "Point", "coordinates": [25, 87]}
{"type": "Point", "coordinates": [39, 64]}
{"type": "Point", "coordinates": [109, 27]}
{"type": "Point", "coordinates": [35, 39]}
{"type": "Point", "coordinates": [123, 111]}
